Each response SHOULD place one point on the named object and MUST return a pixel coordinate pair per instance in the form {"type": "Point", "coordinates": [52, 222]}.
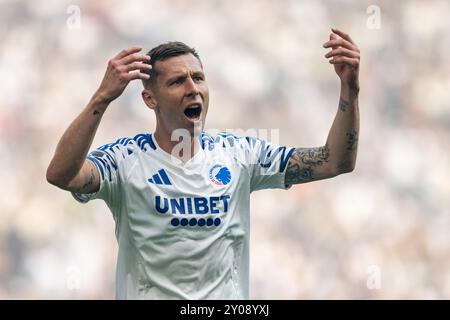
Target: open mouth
{"type": "Point", "coordinates": [193, 111]}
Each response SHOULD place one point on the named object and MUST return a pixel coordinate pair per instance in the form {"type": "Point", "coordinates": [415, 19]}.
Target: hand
{"type": "Point", "coordinates": [345, 57]}
{"type": "Point", "coordinates": [121, 70]}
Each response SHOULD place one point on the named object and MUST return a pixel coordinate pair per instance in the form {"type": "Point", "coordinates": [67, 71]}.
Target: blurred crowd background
{"type": "Point", "coordinates": [381, 231]}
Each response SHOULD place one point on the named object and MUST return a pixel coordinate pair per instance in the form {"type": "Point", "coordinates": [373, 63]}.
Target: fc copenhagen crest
{"type": "Point", "coordinates": [220, 175]}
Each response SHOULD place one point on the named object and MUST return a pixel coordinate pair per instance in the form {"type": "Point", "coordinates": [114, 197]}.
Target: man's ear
{"type": "Point", "coordinates": [149, 98]}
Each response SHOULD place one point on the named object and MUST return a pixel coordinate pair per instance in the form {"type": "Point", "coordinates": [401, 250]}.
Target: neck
{"type": "Point", "coordinates": [182, 144]}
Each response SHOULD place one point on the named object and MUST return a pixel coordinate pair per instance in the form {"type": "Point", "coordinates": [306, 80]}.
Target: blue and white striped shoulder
{"type": "Point", "coordinates": [144, 141]}
{"type": "Point", "coordinates": [107, 156]}
{"type": "Point", "coordinates": [222, 139]}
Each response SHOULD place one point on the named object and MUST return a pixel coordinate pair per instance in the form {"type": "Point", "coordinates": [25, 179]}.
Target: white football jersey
{"type": "Point", "coordinates": [183, 229]}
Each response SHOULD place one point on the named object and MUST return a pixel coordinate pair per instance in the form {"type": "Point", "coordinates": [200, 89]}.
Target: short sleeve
{"type": "Point", "coordinates": [268, 162]}
{"type": "Point", "coordinates": [106, 159]}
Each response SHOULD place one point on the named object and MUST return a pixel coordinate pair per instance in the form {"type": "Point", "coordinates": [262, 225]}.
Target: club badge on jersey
{"type": "Point", "coordinates": [220, 175]}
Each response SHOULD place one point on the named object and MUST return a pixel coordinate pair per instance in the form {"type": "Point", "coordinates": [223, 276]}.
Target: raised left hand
{"type": "Point", "coordinates": [345, 56]}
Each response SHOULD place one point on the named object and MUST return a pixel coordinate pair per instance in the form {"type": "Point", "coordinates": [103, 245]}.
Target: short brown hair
{"type": "Point", "coordinates": [165, 51]}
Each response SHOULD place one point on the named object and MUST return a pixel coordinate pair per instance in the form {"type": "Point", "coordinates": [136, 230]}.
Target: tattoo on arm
{"type": "Point", "coordinates": [354, 86]}
{"type": "Point", "coordinates": [303, 162]}
{"type": "Point", "coordinates": [343, 105]}
{"type": "Point", "coordinates": [89, 182]}
{"type": "Point", "coordinates": [96, 112]}
{"type": "Point", "coordinates": [352, 144]}
{"type": "Point", "coordinates": [352, 140]}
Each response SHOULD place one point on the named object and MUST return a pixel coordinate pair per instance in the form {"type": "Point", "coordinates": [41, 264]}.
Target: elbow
{"type": "Point", "coordinates": [348, 170]}
{"type": "Point", "coordinates": [54, 178]}
{"type": "Point", "coordinates": [51, 177]}
{"type": "Point", "coordinates": [345, 167]}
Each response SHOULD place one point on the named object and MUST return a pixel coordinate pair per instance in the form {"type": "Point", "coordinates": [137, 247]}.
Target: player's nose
{"type": "Point", "coordinates": [191, 87]}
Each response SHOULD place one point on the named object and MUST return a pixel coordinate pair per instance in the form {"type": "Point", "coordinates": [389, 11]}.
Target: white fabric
{"type": "Point", "coordinates": [146, 189]}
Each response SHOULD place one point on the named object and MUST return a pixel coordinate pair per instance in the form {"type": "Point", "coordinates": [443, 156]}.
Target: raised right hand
{"type": "Point", "coordinates": [121, 70]}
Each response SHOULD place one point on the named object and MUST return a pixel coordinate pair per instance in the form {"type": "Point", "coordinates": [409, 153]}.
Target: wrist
{"type": "Point", "coordinates": [101, 98]}
{"type": "Point", "coordinates": [350, 90]}
{"type": "Point", "coordinates": [99, 102]}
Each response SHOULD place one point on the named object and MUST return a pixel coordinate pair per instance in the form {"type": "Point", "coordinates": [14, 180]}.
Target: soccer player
{"type": "Point", "coordinates": [182, 214]}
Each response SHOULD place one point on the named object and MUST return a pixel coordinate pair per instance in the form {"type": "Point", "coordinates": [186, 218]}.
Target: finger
{"type": "Point", "coordinates": [134, 57]}
{"type": "Point", "coordinates": [137, 75]}
{"type": "Point", "coordinates": [138, 66]}
{"type": "Point", "coordinates": [339, 43]}
{"type": "Point", "coordinates": [333, 37]}
{"type": "Point", "coordinates": [342, 34]}
{"type": "Point", "coordinates": [342, 52]}
{"type": "Point", "coordinates": [345, 60]}
{"type": "Point", "coordinates": [126, 52]}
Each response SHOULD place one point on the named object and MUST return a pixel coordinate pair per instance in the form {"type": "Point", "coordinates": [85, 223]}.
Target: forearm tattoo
{"type": "Point", "coordinates": [303, 162]}
{"type": "Point", "coordinates": [343, 105]}
{"type": "Point", "coordinates": [354, 86]}
{"type": "Point", "coordinates": [352, 140]}
{"type": "Point", "coordinates": [352, 145]}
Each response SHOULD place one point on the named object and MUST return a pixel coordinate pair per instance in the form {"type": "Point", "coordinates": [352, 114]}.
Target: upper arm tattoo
{"type": "Point", "coordinates": [88, 185]}
{"type": "Point", "coordinates": [304, 164]}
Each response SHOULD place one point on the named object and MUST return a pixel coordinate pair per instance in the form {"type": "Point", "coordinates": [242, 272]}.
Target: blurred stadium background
{"type": "Point", "coordinates": [382, 231]}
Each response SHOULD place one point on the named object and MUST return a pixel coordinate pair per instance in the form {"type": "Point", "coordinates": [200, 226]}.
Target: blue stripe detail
{"type": "Point", "coordinates": [111, 160]}
{"type": "Point", "coordinates": [284, 161]}
{"type": "Point", "coordinates": [227, 134]}
{"type": "Point", "coordinates": [142, 140]}
{"type": "Point", "coordinates": [207, 140]}
{"type": "Point", "coordinates": [99, 166]}
{"type": "Point", "coordinates": [164, 177]}
{"type": "Point", "coordinates": [107, 156]}
{"type": "Point", "coordinates": [160, 178]}
{"type": "Point", "coordinates": [157, 179]}
{"type": "Point", "coordinates": [106, 167]}
{"type": "Point", "coordinates": [150, 141]}
{"type": "Point", "coordinates": [104, 147]}
{"type": "Point", "coordinates": [251, 141]}
{"type": "Point", "coordinates": [139, 139]}
{"type": "Point", "coordinates": [202, 141]}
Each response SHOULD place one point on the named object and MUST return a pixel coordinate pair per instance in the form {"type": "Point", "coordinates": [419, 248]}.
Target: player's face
{"type": "Point", "coordinates": [181, 93]}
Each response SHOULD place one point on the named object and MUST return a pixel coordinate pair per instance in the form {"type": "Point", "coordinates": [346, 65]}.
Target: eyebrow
{"type": "Point", "coordinates": [183, 76]}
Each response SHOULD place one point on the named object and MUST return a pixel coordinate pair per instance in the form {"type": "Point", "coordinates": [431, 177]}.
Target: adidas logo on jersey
{"type": "Point", "coordinates": [160, 178]}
